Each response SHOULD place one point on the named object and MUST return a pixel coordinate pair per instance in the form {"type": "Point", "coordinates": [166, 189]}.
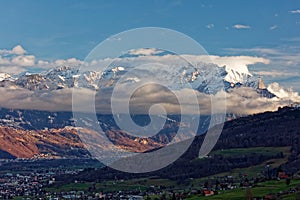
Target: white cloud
{"type": "Point", "coordinates": [246, 101]}
{"type": "Point", "coordinates": [265, 50]}
{"type": "Point", "coordinates": [276, 73]}
{"type": "Point", "coordinates": [273, 27]}
{"type": "Point", "coordinates": [259, 50]}
{"type": "Point", "coordinates": [23, 60]}
{"type": "Point", "coordinates": [17, 60]}
{"type": "Point", "coordinates": [288, 59]}
{"type": "Point", "coordinates": [70, 62]}
{"type": "Point", "coordinates": [241, 26]}
{"type": "Point", "coordinates": [18, 50]}
{"type": "Point", "coordinates": [280, 56]}
{"type": "Point", "coordinates": [295, 11]}
{"type": "Point", "coordinates": [292, 39]}
{"type": "Point", "coordinates": [239, 63]}
{"type": "Point", "coordinates": [282, 93]}
{"type": "Point", "coordinates": [59, 100]}
{"type": "Point", "coordinates": [210, 26]}
{"type": "Point", "coordinates": [144, 51]}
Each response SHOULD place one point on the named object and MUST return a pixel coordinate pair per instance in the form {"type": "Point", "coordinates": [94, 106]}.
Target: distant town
{"type": "Point", "coordinates": [29, 183]}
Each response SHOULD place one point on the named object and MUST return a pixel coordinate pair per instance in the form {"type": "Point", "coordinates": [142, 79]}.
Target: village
{"type": "Point", "coordinates": [42, 184]}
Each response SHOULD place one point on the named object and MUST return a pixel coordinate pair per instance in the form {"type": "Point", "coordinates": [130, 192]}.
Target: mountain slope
{"type": "Point", "coordinates": [43, 143]}
{"type": "Point", "coordinates": [65, 142]}
{"type": "Point", "coordinates": [270, 129]}
{"type": "Point", "coordinates": [23, 133]}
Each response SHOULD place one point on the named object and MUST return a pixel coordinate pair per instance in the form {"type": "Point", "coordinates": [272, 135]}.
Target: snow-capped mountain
{"type": "Point", "coordinates": [206, 78]}
{"type": "Point", "coordinates": [4, 76]}
{"type": "Point", "coordinates": [54, 79]}
{"type": "Point", "coordinates": [176, 72]}
{"type": "Point", "coordinates": [235, 76]}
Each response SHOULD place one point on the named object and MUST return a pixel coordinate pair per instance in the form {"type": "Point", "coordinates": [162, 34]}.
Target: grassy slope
{"type": "Point", "coordinates": [143, 183]}
{"type": "Point", "coordinates": [258, 150]}
{"type": "Point", "coordinates": [251, 171]}
{"type": "Point", "coordinates": [259, 191]}
{"type": "Point", "coordinates": [111, 186]}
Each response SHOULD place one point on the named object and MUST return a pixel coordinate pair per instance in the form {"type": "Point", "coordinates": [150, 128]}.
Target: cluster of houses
{"type": "Point", "coordinates": [228, 183]}
{"type": "Point", "coordinates": [12, 185]}
{"type": "Point", "coordinates": [93, 196]}
{"type": "Point", "coordinates": [29, 184]}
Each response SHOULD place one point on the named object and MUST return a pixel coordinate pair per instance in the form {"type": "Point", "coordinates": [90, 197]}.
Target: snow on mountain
{"type": "Point", "coordinates": [205, 77]}
{"type": "Point", "coordinates": [4, 76]}
{"type": "Point", "coordinates": [237, 75]}
{"type": "Point", "coordinates": [57, 78]}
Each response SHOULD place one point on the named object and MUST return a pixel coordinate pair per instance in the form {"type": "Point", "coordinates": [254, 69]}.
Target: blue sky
{"type": "Point", "coordinates": [63, 29]}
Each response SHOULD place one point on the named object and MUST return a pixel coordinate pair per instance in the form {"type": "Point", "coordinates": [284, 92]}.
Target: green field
{"type": "Point", "coordinates": [255, 170]}
{"type": "Point", "coordinates": [268, 151]}
{"type": "Point", "coordinates": [112, 186]}
{"type": "Point", "coordinates": [70, 187]}
{"type": "Point", "coordinates": [259, 191]}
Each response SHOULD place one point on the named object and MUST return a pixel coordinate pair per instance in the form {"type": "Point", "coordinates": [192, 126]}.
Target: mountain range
{"type": "Point", "coordinates": [202, 74]}
{"type": "Point", "coordinates": [40, 132]}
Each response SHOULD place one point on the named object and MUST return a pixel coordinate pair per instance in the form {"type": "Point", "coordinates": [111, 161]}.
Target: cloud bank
{"type": "Point", "coordinates": [241, 101]}
{"type": "Point", "coordinates": [17, 60]}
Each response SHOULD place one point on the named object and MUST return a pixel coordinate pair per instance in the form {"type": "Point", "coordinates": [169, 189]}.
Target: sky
{"type": "Point", "coordinates": [62, 29]}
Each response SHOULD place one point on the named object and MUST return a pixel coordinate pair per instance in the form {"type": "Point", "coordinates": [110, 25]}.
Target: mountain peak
{"type": "Point", "coordinates": [261, 84]}
{"type": "Point", "coordinates": [4, 76]}
{"type": "Point", "coordinates": [237, 74]}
